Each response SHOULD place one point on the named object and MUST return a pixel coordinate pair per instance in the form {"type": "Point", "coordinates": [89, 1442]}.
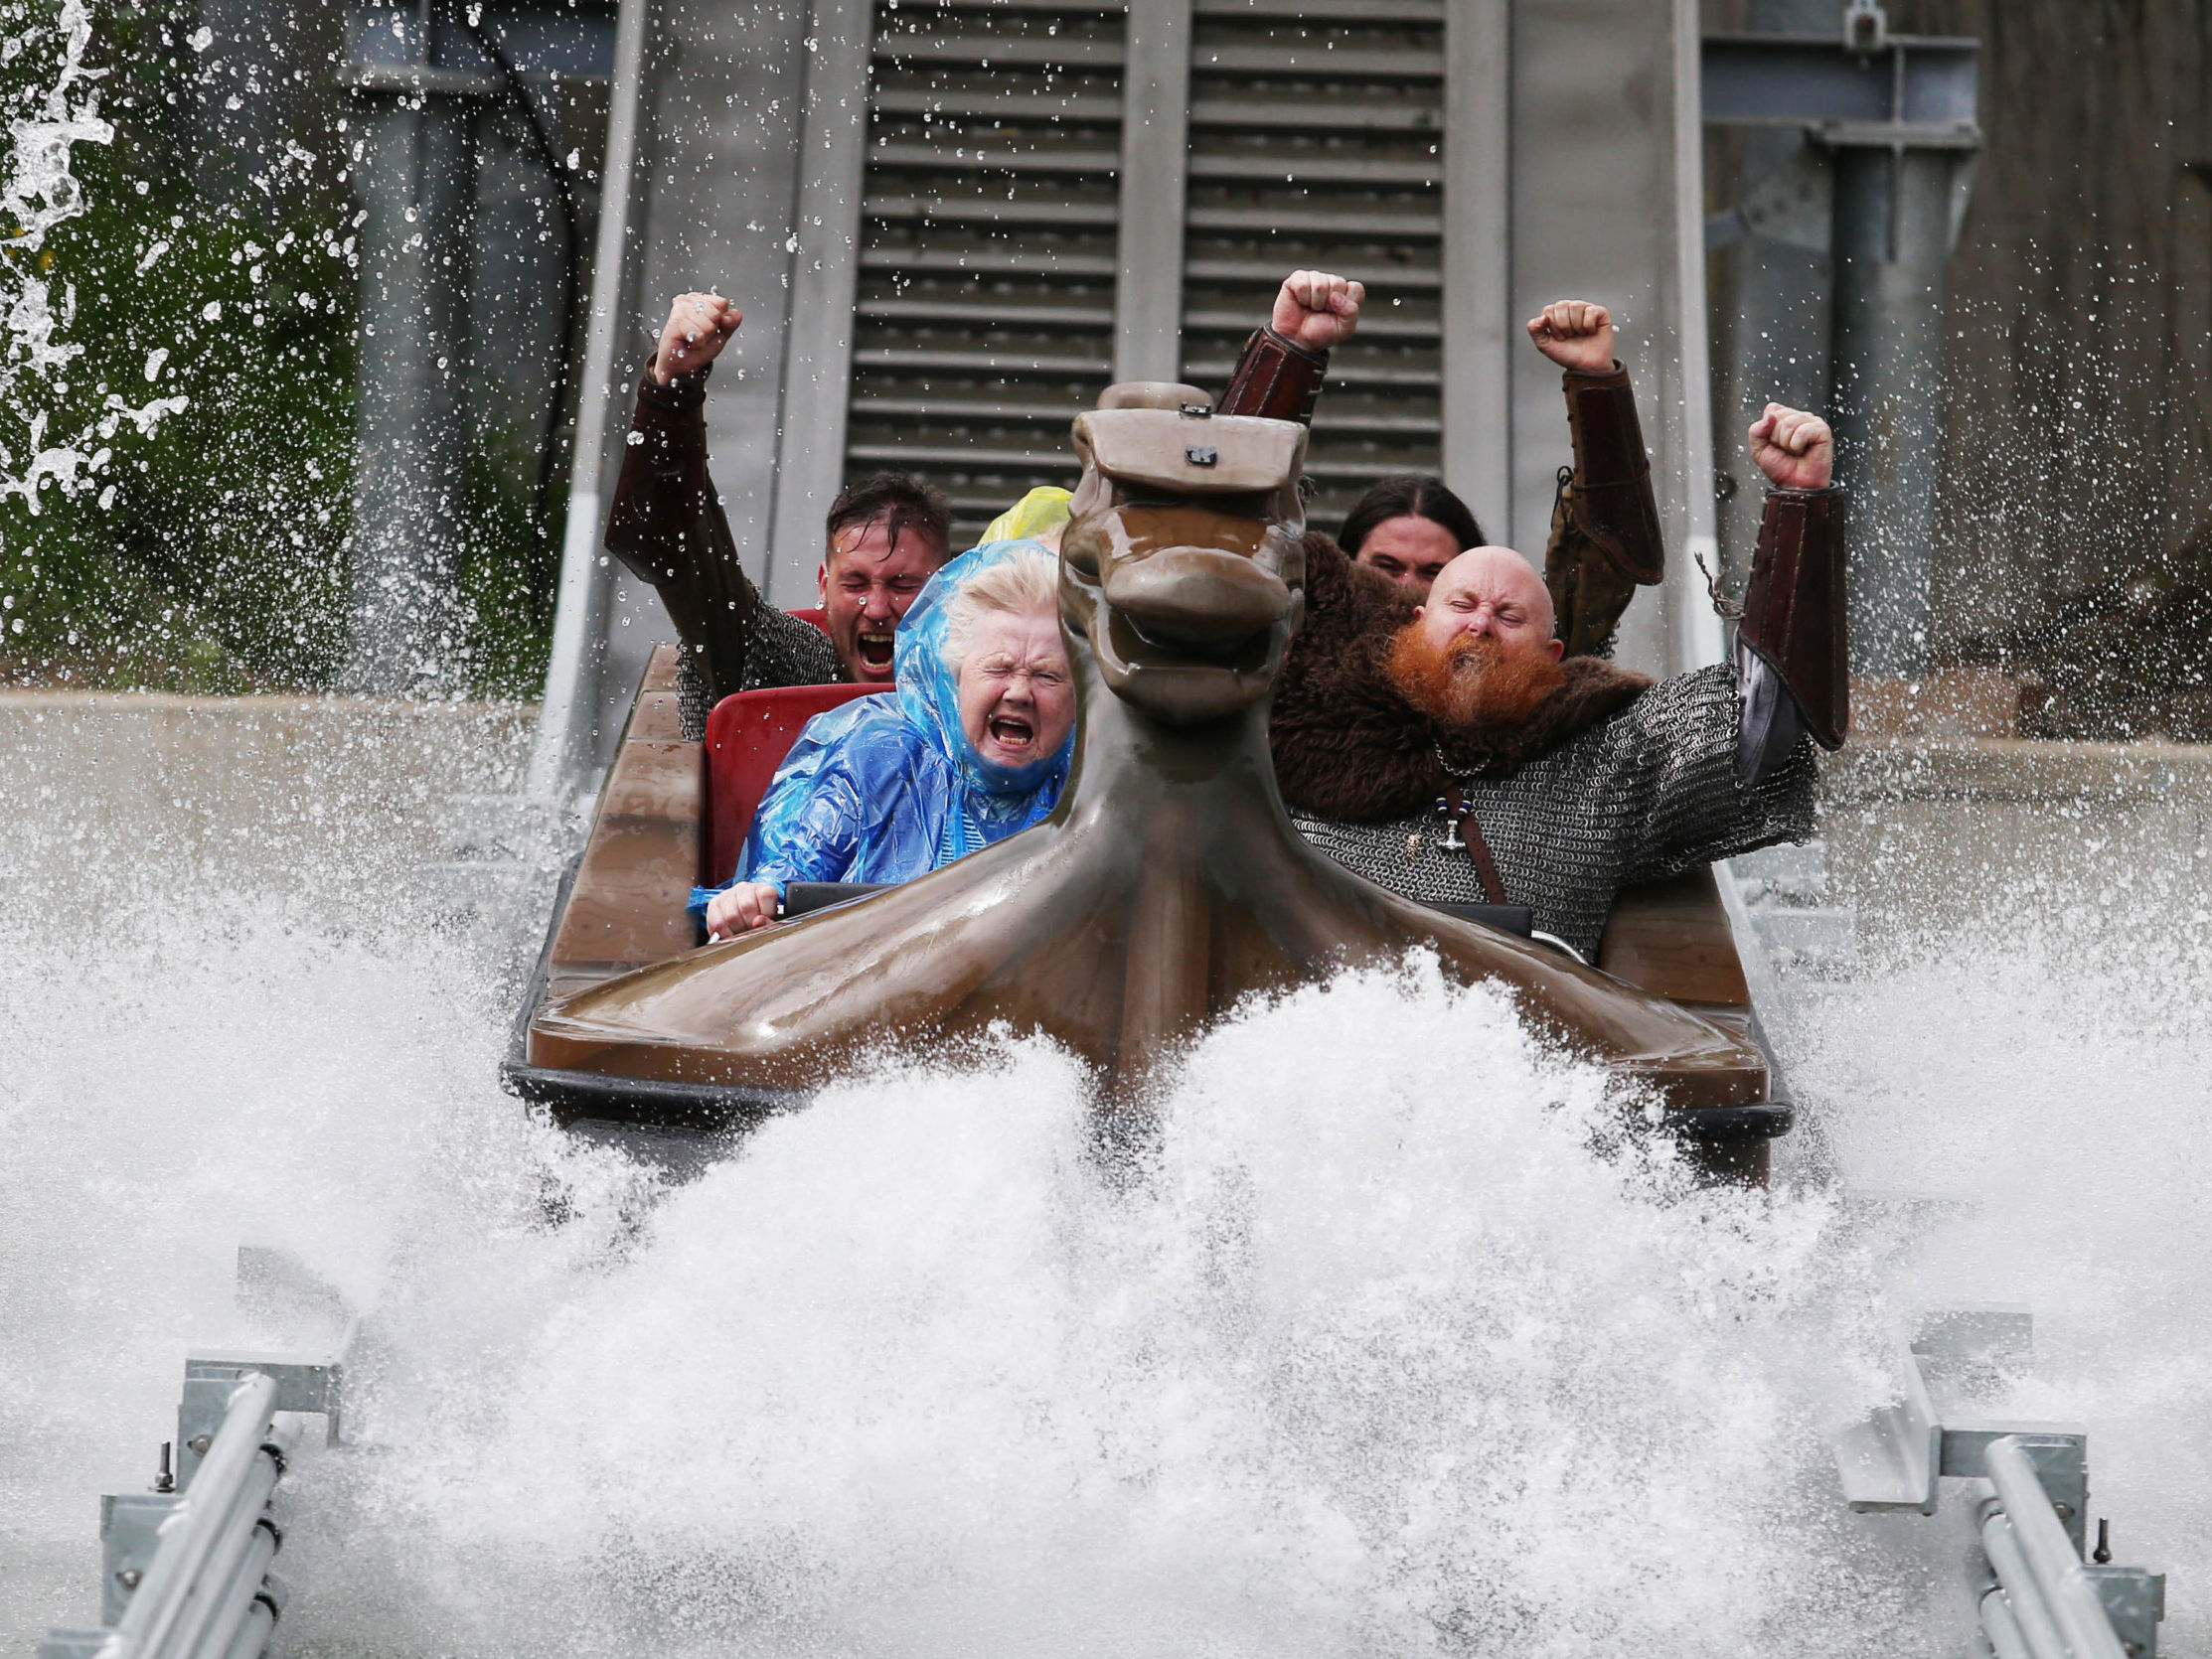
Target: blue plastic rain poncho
{"type": "Point", "coordinates": [888, 788]}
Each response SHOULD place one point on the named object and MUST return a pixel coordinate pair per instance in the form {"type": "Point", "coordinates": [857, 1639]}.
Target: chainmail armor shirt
{"type": "Point", "coordinates": [1650, 792]}
{"type": "Point", "coordinates": [784, 650]}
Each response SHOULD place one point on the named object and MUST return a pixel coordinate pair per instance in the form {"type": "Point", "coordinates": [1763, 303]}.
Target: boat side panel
{"type": "Point", "coordinates": [626, 906]}
{"type": "Point", "coordinates": [1671, 938]}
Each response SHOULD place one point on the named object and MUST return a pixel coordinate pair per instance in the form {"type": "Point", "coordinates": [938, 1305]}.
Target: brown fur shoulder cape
{"type": "Point", "coordinates": [1349, 746]}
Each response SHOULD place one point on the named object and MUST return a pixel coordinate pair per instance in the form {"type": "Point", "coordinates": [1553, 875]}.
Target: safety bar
{"type": "Point", "coordinates": [803, 898]}
{"type": "Point", "coordinates": [186, 1572]}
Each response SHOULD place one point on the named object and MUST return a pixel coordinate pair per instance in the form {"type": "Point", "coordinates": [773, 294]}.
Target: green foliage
{"type": "Point", "coordinates": [210, 553]}
{"type": "Point", "coordinates": [509, 575]}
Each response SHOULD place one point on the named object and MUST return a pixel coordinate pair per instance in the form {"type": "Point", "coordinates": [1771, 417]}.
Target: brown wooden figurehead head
{"type": "Point", "coordinates": [1168, 884]}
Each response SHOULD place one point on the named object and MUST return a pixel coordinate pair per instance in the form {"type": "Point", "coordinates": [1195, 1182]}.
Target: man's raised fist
{"type": "Point", "coordinates": [1576, 335]}
{"type": "Point", "coordinates": [1317, 310]}
{"type": "Point", "coordinates": [699, 326]}
{"type": "Point", "coordinates": [1796, 450]}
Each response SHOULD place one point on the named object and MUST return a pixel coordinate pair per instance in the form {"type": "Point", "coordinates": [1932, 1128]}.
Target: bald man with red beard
{"type": "Point", "coordinates": [1455, 752]}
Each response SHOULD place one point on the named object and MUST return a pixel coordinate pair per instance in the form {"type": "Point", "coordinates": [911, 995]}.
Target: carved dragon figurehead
{"type": "Point", "coordinates": [1168, 884]}
{"type": "Point", "coordinates": [1183, 564]}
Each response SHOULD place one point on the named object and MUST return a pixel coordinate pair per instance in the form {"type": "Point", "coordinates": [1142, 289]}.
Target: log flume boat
{"type": "Point", "coordinates": [1167, 886]}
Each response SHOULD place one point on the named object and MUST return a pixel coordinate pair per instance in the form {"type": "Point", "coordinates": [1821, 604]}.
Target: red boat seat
{"type": "Point", "coordinates": [816, 615]}
{"type": "Point", "coordinates": [747, 738]}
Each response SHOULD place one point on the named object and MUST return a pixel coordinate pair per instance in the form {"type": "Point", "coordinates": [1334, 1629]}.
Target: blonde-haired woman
{"type": "Point", "coordinates": [973, 746]}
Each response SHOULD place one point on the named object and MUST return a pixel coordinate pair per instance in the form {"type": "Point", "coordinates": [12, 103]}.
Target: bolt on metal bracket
{"type": "Point", "coordinates": [211, 1374]}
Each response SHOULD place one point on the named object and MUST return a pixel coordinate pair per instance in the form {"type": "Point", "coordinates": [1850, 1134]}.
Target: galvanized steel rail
{"type": "Point", "coordinates": [2041, 1599]}
{"type": "Point", "coordinates": [186, 1572]}
{"type": "Point", "coordinates": [217, 1542]}
{"type": "Point", "coordinates": [2043, 1604]}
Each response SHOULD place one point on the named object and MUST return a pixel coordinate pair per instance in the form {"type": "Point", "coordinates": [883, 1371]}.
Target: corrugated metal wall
{"type": "Point", "coordinates": [984, 309]}
{"type": "Point", "coordinates": [1315, 141]}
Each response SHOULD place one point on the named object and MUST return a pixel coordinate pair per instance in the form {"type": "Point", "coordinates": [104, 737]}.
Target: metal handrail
{"type": "Point", "coordinates": [216, 1545]}
{"type": "Point", "coordinates": [2055, 1609]}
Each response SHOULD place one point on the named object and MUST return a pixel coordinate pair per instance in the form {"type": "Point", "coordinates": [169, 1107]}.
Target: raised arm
{"type": "Point", "coordinates": [1605, 530]}
{"type": "Point", "coordinates": [667, 523]}
{"type": "Point", "coordinates": [1794, 620]}
{"type": "Point", "coordinates": [1280, 371]}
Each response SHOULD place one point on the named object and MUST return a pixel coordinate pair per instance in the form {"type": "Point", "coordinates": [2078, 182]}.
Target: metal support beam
{"type": "Point", "coordinates": [417, 179]}
{"type": "Point", "coordinates": [564, 744]}
{"type": "Point", "coordinates": [1155, 131]}
{"type": "Point", "coordinates": [1893, 236]}
{"type": "Point", "coordinates": [1895, 115]}
{"type": "Point", "coordinates": [825, 268]}
{"type": "Point", "coordinates": [1694, 626]}
{"type": "Point", "coordinates": [1478, 258]}
{"type": "Point", "coordinates": [1800, 80]}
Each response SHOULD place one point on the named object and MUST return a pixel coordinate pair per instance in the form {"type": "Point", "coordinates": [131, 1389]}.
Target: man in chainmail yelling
{"type": "Point", "coordinates": [1458, 752]}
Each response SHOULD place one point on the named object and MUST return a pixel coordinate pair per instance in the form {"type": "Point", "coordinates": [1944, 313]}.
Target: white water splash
{"type": "Point", "coordinates": [1382, 1359]}
{"type": "Point", "coordinates": [38, 191]}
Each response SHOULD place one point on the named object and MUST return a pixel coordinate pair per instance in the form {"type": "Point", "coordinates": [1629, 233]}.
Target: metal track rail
{"type": "Point", "coordinates": [2039, 1597]}
{"type": "Point", "coordinates": [186, 1572]}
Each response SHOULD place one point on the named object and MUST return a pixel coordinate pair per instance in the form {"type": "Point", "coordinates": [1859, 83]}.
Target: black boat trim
{"type": "Point", "coordinates": [648, 1102]}
{"type": "Point", "coordinates": [712, 1108]}
{"type": "Point", "coordinates": [1759, 1121]}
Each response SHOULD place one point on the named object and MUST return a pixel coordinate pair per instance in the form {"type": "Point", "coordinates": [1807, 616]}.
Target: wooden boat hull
{"type": "Point", "coordinates": [621, 911]}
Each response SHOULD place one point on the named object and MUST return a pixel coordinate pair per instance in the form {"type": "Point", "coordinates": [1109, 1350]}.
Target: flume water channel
{"type": "Point", "coordinates": [1381, 1357]}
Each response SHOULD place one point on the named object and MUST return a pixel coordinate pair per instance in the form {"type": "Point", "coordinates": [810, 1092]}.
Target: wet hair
{"type": "Point", "coordinates": [1027, 582]}
{"type": "Point", "coordinates": [903, 504]}
{"type": "Point", "coordinates": [1409, 495]}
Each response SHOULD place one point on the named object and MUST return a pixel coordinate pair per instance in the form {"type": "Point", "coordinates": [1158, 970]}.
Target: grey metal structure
{"type": "Point", "coordinates": [996, 209]}
{"type": "Point", "coordinates": [423, 78]}
{"type": "Point", "coordinates": [2038, 1597]}
{"type": "Point", "coordinates": [185, 1569]}
{"type": "Point", "coordinates": [569, 717]}
{"type": "Point", "coordinates": [1842, 301]}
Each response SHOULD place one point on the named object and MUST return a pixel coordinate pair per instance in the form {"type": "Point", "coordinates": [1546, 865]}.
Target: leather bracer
{"type": "Point", "coordinates": [1605, 531]}
{"type": "Point", "coordinates": [1793, 607]}
{"type": "Point", "coordinates": [1610, 498]}
{"type": "Point", "coordinates": [1588, 592]}
{"type": "Point", "coordinates": [1274, 379]}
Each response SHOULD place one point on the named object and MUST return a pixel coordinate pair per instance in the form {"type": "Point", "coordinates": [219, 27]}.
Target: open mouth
{"type": "Point", "coordinates": [874, 651]}
{"type": "Point", "coordinates": [1011, 731]}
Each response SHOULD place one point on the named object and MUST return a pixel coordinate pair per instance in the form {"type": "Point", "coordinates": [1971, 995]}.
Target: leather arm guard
{"type": "Point", "coordinates": [1793, 607]}
{"type": "Point", "coordinates": [1604, 529]}
{"type": "Point", "coordinates": [667, 527]}
{"type": "Point", "coordinates": [1274, 379]}
{"type": "Point", "coordinates": [1610, 498]}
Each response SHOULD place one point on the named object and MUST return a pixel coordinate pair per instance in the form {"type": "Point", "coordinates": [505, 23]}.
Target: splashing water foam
{"type": "Point", "coordinates": [38, 192]}
{"type": "Point", "coordinates": [1379, 1356]}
